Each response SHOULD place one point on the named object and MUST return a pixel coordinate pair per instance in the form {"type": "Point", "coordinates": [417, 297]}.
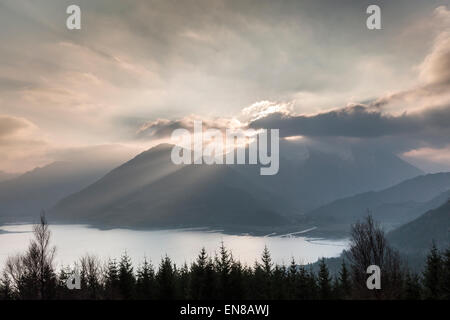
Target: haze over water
{"type": "Point", "coordinates": [181, 245]}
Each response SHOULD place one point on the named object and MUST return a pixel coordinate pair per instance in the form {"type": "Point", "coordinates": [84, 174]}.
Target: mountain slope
{"type": "Point", "coordinates": [7, 176]}
{"type": "Point", "coordinates": [392, 207]}
{"type": "Point", "coordinates": [151, 191]}
{"type": "Point", "coordinates": [310, 177]}
{"type": "Point", "coordinates": [417, 236]}
{"type": "Point", "coordinates": [22, 198]}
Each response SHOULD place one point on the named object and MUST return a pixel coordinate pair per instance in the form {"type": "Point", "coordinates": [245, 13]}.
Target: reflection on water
{"type": "Point", "coordinates": [182, 245]}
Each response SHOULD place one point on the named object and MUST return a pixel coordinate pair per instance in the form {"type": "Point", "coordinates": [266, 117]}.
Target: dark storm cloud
{"type": "Point", "coordinates": [359, 121]}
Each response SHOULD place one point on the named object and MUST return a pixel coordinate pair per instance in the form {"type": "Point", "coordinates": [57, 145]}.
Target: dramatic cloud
{"type": "Point", "coordinates": [263, 108]}
{"type": "Point", "coordinates": [434, 72]}
{"type": "Point", "coordinates": [359, 122]}
{"type": "Point", "coordinates": [414, 122]}
{"type": "Point", "coordinates": [134, 62]}
{"type": "Point", "coordinates": [163, 128]}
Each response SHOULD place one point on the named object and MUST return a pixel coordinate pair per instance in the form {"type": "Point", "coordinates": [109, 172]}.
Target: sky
{"type": "Point", "coordinates": [138, 69]}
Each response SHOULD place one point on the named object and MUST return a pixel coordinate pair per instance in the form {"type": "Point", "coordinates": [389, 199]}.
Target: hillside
{"type": "Point", "coordinates": [22, 198]}
{"type": "Point", "coordinates": [392, 206]}
{"type": "Point", "coordinates": [417, 236]}
{"type": "Point", "coordinates": [7, 176]}
{"type": "Point", "coordinates": [151, 191]}
{"type": "Point", "coordinates": [310, 177]}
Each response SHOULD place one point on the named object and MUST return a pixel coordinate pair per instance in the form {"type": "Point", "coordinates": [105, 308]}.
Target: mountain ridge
{"type": "Point", "coordinates": [133, 185]}
{"type": "Point", "coordinates": [22, 198]}
{"type": "Point", "coordinates": [418, 235]}
{"type": "Point", "coordinates": [392, 206]}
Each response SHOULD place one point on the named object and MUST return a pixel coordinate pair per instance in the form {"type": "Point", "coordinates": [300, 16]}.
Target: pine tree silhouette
{"type": "Point", "coordinates": [446, 275]}
{"type": "Point", "coordinates": [432, 275]}
{"type": "Point", "coordinates": [345, 282]}
{"type": "Point", "coordinates": [166, 280]}
{"type": "Point", "coordinates": [112, 280]}
{"type": "Point", "coordinates": [145, 282]}
{"type": "Point", "coordinates": [126, 277]}
{"type": "Point", "coordinates": [324, 281]}
{"type": "Point", "coordinates": [223, 265]}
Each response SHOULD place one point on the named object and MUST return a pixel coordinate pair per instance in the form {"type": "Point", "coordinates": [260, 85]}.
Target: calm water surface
{"type": "Point", "coordinates": [182, 245]}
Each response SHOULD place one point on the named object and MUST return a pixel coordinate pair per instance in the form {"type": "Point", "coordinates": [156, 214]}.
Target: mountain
{"type": "Point", "coordinates": [418, 235]}
{"type": "Point", "coordinates": [310, 176]}
{"type": "Point", "coordinates": [7, 176]}
{"type": "Point", "coordinates": [22, 198]}
{"type": "Point", "coordinates": [151, 191]}
{"type": "Point", "coordinates": [392, 206]}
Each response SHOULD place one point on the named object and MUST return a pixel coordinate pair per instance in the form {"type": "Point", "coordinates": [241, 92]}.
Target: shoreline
{"type": "Point", "coordinates": [294, 231]}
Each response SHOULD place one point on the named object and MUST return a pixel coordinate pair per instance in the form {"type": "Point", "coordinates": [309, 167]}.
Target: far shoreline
{"type": "Point", "coordinates": [292, 231]}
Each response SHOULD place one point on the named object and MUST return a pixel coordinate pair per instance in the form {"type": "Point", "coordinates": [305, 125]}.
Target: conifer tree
{"type": "Point", "coordinates": [112, 280]}
{"type": "Point", "coordinates": [412, 290]}
{"type": "Point", "coordinates": [223, 265]}
{"type": "Point", "coordinates": [432, 275]}
{"type": "Point", "coordinates": [262, 276]}
{"type": "Point", "coordinates": [303, 283]}
{"type": "Point", "coordinates": [126, 277]}
{"type": "Point", "coordinates": [183, 291]}
{"type": "Point", "coordinates": [203, 277]}
{"type": "Point", "coordinates": [222, 278]}
{"type": "Point", "coordinates": [336, 289]}
{"type": "Point", "coordinates": [267, 263]}
{"type": "Point", "coordinates": [91, 277]}
{"type": "Point", "coordinates": [312, 286]}
{"type": "Point", "coordinates": [198, 270]}
{"type": "Point", "coordinates": [292, 280]}
{"type": "Point", "coordinates": [278, 283]}
{"type": "Point", "coordinates": [210, 282]}
{"type": "Point", "coordinates": [446, 275]}
{"type": "Point", "coordinates": [145, 283]}
{"type": "Point", "coordinates": [292, 272]}
{"type": "Point", "coordinates": [238, 282]}
{"type": "Point", "coordinates": [324, 281]}
{"type": "Point", "coordinates": [166, 280]}
{"type": "Point", "coordinates": [259, 283]}
{"type": "Point", "coordinates": [345, 282]}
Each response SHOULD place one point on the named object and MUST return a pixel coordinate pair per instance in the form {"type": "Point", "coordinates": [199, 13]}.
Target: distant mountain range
{"type": "Point", "coordinates": [150, 191]}
{"type": "Point", "coordinates": [7, 176]}
{"type": "Point", "coordinates": [22, 198]}
{"type": "Point", "coordinates": [417, 236]}
{"type": "Point", "coordinates": [392, 207]}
